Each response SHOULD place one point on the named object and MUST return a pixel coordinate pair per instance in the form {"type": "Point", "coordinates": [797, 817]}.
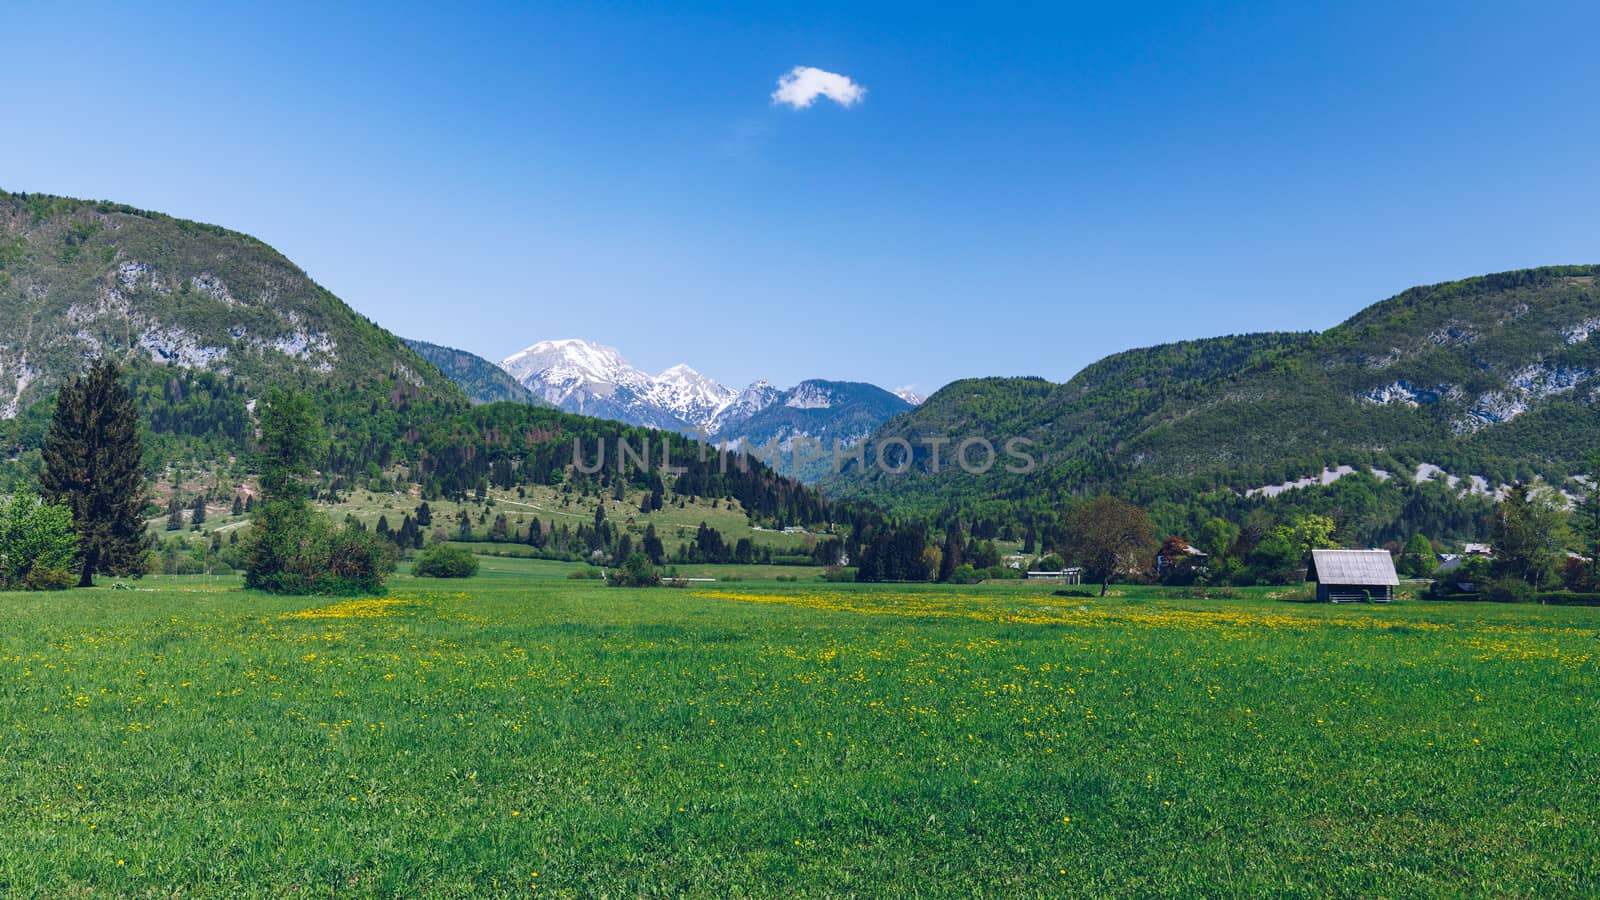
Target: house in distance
{"type": "Point", "coordinates": [1346, 576]}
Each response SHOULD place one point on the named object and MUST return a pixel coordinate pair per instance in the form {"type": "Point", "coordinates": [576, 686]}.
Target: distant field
{"type": "Point", "coordinates": [674, 526]}
{"type": "Point", "coordinates": [524, 732]}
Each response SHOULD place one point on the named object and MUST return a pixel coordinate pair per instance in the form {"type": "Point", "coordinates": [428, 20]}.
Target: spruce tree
{"type": "Point", "coordinates": [198, 516]}
{"type": "Point", "coordinates": [94, 464]}
{"type": "Point", "coordinates": [291, 437]}
{"type": "Point", "coordinates": [174, 514]}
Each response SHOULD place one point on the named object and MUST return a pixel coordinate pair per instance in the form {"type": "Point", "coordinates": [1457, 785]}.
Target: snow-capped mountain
{"type": "Point", "coordinates": [596, 380]}
{"type": "Point", "coordinates": [750, 401]}
{"type": "Point", "coordinates": [692, 397]}
{"type": "Point", "coordinates": [827, 412]}
{"type": "Point", "coordinates": [910, 396]}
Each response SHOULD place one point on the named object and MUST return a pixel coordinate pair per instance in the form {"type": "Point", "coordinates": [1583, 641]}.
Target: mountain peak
{"type": "Point", "coordinates": [595, 379]}
{"type": "Point", "coordinates": [905, 392]}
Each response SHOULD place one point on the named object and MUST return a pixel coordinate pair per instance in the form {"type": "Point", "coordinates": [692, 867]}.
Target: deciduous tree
{"type": "Point", "coordinates": [1108, 537]}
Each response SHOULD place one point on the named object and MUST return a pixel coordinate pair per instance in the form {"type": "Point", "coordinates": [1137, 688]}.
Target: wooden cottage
{"type": "Point", "coordinates": [1345, 576]}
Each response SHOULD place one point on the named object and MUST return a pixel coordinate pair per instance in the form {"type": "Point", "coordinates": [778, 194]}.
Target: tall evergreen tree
{"type": "Point", "coordinates": [954, 553]}
{"type": "Point", "coordinates": [94, 464]}
{"type": "Point", "coordinates": [291, 436]}
{"type": "Point", "coordinates": [174, 514]}
{"type": "Point", "coordinates": [653, 550]}
{"type": "Point", "coordinates": [198, 516]}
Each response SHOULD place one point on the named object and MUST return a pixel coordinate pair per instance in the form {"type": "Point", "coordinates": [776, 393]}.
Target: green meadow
{"type": "Point", "coordinates": [522, 733]}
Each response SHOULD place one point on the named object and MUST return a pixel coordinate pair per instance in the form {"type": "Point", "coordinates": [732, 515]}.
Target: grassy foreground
{"type": "Point", "coordinates": [524, 733]}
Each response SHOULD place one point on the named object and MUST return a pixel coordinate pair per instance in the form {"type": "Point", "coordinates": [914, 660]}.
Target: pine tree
{"type": "Point", "coordinates": [954, 552]}
{"type": "Point", "coordinates": [174, 514]}
{"type": "Point", "coordinates": [94, 464]}
{"type": "Point", "coordinates": [238, 505]}
{"type": "Point", "coordinates": [652, 545]}
{"type": "Point", "coordinates": [198, 516]}
{"type": "Point", "coordinates": [290, 438]}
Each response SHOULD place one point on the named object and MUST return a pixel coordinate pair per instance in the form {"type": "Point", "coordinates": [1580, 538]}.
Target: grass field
{"type": "Point", "coordinates": [675, 526]}
{"type": "Point", "coordinates": [523, 733]}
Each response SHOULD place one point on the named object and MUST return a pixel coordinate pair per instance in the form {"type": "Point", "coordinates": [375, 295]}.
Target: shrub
{"type": "Point", "coordinates": [1509, 590]}
{"type": "Point", "coordinates": [309, 556]}
{"type": "Point", "coordinates": [587, 573]}
{"type": "Point", "coordinates": [965, 574]}
{"type": "Point", "coordinates": [445, 561]}
{"type": "Point", "coordinates": [635, 571]}
{"type": "Point", "coordinates": [33, 535]}
{"type": "Point", "coordinates": [50, 578]}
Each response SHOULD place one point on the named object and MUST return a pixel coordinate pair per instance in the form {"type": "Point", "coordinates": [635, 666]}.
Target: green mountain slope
{"type": "Point", "coordinates": [483, 381]}
{"type": "Point", "coordinates": [204, 320]}
{"type": "Point", "coordinates": [1496, 376]}
{"type": "Point", "coordinates": [80, 279]}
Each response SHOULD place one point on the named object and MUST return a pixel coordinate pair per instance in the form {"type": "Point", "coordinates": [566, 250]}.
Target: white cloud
{"type": "Point", "coordinates": [802, 85]}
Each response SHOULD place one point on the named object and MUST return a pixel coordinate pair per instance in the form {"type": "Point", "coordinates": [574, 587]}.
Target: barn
{"type": "Point", "coordinates": [1345, 576]}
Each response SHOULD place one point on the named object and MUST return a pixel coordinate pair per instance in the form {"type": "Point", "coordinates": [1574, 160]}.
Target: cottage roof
{"type": "Point", "coordinates": [1352, 567]}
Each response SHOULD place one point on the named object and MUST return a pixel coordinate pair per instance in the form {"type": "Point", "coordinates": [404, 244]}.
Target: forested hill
{"type": "Point", "coordinates": [204, 320]}
{"type": "Point", "coordinates": [81, 279]}
{"type": "Point", "coordinates": [1496, 377]}
{"type": "Point", "coordinates": [483, 381]}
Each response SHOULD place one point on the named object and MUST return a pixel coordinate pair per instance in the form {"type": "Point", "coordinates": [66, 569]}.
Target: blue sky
{"type": "Point", "coordinates": [1021, 190]}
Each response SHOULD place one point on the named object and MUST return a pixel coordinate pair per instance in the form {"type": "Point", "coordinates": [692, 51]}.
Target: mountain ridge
{"type": "Point", "coordinates": [596, 379]}
{"type": "Point", "coordinates": [85, 278]}
{"type": "Point", "coordinates": [1496, 376]}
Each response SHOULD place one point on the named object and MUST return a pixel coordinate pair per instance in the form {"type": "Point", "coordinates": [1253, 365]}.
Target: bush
{"type": "Point", "coordinates": [635, 571]}
{"type": "Point", "coordinates": [1509, 590]}
{"type": "Point", "coordinates": [306, 555]}
{"type": "Point", "coordinates": [965, 574]}
{"type": "Point", "coordinates": [838, 574]}
{"type": "Point", "coordinates": [588, 573]}
{"type": "Point", "coordinates": [445, 561]}
{"type": "Point", "coordinates": [33, 535]}
{"type": "Point", "coordinates": [50, 578]}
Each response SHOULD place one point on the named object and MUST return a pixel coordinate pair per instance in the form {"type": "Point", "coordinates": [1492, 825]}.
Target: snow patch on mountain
{"type": "Point", "coordinates": [1473, 484]}
{"type": "Point", "coordinates": [1324, 478]}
